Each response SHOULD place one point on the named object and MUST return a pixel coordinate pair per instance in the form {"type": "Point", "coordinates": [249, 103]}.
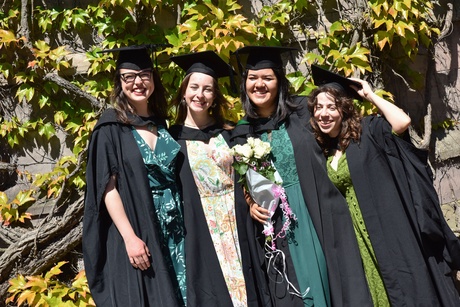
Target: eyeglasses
{"type": "Point", "coordinates": [129, 77]}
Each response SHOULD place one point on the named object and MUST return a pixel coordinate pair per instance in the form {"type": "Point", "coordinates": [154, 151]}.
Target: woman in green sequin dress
{"type": "Point", "coordinates": [359, 152]}
{"type": "Point", "coordinates": [133, 230]}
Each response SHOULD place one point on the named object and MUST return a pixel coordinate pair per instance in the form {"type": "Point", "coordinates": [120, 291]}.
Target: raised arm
{"type": "Point", "coordinates": [397, 118]}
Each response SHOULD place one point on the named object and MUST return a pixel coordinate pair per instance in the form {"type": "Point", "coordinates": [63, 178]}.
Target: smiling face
{"type": "Point", "coordinates": [200, 93]}
{"type": "Point", "coordinates": [327, 115]}
{"type": "Point", "coordinates": [137, 85]}
{"type": "Point", "coordinates": [262, 90]}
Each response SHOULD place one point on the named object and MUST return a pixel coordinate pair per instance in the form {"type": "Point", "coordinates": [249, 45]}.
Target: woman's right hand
{"type": "Point", "coordinates": [259, 213]}
{"type": "Point", "coordinates": [138, 253]}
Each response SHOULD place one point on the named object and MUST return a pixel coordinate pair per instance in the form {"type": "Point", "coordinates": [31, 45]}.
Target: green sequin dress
{"type": "Point", "coordinates": [304, 246]}
{"type": "Point", "coordinates": [160, 165]}
{"type": "Point", "coordinates": [342, 180]}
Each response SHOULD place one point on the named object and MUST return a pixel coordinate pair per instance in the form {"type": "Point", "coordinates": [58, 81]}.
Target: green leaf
{"type": "Point", "coordinates": [47, 130]}
{"type": "Point", "coordinates": [336, 27]}
{"type": "Point", "coordinates": [23, 197]}
{"type": "Point", "coordinates": [13, 139]}
{"type": "Point", "coordinates": [297, 82]}
{"type": "Point", "coordinates": [25, 91]}
{"type": "Point", "coordinates": [7, 36]}
{"type": "Point", "coordinates": [240, 168]}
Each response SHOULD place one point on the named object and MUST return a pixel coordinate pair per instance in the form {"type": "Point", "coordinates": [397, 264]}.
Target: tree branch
{"type": "Point", "coordinates": [73, 89]}
{"type": "Point", "coordinates": [19, 258]}
{"type": "Point", "coordinates": [24, 30]}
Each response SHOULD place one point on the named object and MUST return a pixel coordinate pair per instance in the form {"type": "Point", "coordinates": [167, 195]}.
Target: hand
{"type": "Point", "coordinates": [138, 253]}
{"type": "Point", "coordinates": [365, 89]}
{"type": "Point", "coordinates": [259, 213]}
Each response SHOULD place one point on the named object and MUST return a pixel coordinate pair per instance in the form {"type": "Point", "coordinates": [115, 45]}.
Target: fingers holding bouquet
{"type": "Point", "coordinates": [257, 212]}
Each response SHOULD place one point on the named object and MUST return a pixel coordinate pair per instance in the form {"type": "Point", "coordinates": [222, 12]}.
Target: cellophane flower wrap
{"type": "Point", "coordinates": [260, 177]}
{"type": "Point", "coordinates": [263, 182]}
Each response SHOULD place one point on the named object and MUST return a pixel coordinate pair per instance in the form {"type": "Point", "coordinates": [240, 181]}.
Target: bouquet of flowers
{"type": "Point", "coordinates": [260, 177]}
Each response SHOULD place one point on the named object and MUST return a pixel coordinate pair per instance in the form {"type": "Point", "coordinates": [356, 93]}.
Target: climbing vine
{"type": "Point", "coordinates": [49, 106]}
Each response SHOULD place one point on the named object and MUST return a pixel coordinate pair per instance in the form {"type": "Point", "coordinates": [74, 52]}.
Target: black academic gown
{"type": "Point", "coordinates": [205, 282]}
{"type": "Point", "coordinates": [415, 248]}
{"type": "Point", "coordinates": [327, 208]}
{"type": "Point", "coordinates": [112, 280]}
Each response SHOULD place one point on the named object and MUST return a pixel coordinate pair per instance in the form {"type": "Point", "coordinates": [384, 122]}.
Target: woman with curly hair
{"type": "Point", "coordinates": [407, 250]}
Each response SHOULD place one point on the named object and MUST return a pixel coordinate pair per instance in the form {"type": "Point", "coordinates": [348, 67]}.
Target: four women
{"type": "Point", "coordinates": [346, 247]}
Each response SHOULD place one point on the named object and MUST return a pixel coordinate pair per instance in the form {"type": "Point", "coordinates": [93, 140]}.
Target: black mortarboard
{"type": "Point", "coordinates": [261, 57]}
{"type": "Point", "coordinates": [323, 76]}
{"type": "Point", "coordinates": [206, 62]}
{"type": "Point", "coordinates": [136, 57]}
{"type": "Point", "coordinates": [132, 57]}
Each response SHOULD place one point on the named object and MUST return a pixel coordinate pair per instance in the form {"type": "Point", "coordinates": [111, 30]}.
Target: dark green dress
{"type": "Point", "coordinates": [342, 180]}
{"type": "Point", "coordinates": [304, 246]}
{"type": "Point", "coordinates": [160, 165]}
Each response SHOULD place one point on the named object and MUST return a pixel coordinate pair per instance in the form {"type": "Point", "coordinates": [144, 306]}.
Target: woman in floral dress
{"type": "Point", "coordinates": [218, 272]}
{"type": "Point", "coordinates": [133, 231]}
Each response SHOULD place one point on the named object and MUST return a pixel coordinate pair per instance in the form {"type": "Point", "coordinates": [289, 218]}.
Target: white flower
{"type": "Point", "coordinates": [244, 151]}
{"type": "Point", "coordinates": [251, 141]}
{"type": "Point", "coordinates": [259, 152]}
{"type": "Point", "coordinates": [261, 149]}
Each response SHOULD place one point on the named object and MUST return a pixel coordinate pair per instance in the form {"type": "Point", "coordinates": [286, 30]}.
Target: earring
{"type": "Point", "coordinates": [183, 101]}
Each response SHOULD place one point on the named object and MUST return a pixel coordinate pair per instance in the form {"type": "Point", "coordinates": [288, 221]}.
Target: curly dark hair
{"type": "Point", "coordinates": [217, 110]}
{"type": "Point", "coordinates": [157, 104]}
{"type": "Point", "coordinates": [351, 119]}
{"type": "Point", "coordinates": [284, 102]}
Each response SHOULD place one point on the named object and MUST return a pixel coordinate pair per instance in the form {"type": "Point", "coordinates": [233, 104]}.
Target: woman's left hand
{"type": "Point", "coordinates": [365, 90]}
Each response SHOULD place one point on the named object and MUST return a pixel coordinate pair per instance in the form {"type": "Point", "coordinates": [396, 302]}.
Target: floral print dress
{"type": "Point", "coordinates": [160, 164]}
{"type": "Point", "coordinates": [213, 174]}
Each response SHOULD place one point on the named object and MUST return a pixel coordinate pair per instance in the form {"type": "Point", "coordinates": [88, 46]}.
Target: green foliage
{"type": "Point", "coordinates": [389, 33]}
{"type": "Point", "coordinates": [448, 123]}
{"type": "Point", "coordinates": [15, 211]}
{"type": "Point", "coordinates": [45, 290]}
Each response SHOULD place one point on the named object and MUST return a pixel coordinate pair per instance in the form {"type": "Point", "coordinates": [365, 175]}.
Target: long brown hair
{"type": "Point", "coordinates": [216, 111]}
{"type": "Point", "coordinates": [351, 119]}
{"type": "Point", "coordinates": [157, 103]}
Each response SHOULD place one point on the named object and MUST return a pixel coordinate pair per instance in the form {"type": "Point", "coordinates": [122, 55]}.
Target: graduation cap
{"type": "Point", "coordinates": [261, 57]}
{"type": "Point", "coordinates": [323, 76]}
{"type": "Point", "coordinates": [135, 57]}
{"type": "Point", "coordinates": [206, 62]}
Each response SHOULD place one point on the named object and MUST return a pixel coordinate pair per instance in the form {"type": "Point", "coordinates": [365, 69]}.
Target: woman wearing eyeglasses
{"type": "Point", "coordinates": [133, 231]}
